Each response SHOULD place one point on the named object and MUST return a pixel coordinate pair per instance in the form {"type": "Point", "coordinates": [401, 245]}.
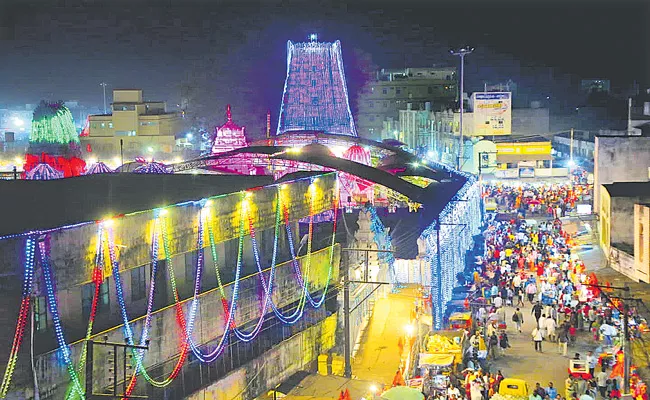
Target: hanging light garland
{"type": "Point", "coordinates": [97, 279]}
{"type": "Point", "coordinates": [106, 252]}
{"type": "Point", "coordinates": [44, 250]}
{"type": "Point", "coordinates": [457, 223]}
{"type": "Point", "coordinates": [383, 240]}
{"type": "Point", "coordinates": [25, 303]}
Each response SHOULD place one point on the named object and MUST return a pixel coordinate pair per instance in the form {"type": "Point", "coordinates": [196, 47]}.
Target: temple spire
{"type": "Point", "coordinates": [228, 113]}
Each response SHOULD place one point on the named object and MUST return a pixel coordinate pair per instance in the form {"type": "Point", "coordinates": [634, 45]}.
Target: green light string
{"type": "Point", "coordinates": [180, 318]}
{"type": "Point", "coordinates": [98, 277]}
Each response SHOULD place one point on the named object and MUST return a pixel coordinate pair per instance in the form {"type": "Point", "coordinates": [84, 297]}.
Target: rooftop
{"type": "Point", "coordinates": [519, 139]}
{"type": "Point", "coordinates": [628, 189]}
{"type": "Point", "coordinates": [34, 205]}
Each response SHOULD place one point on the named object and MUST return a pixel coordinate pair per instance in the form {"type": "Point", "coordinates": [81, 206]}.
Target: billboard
{"type": "Point", "coordinates": [492, 113]}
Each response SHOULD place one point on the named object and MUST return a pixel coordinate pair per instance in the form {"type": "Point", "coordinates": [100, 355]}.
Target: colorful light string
{"type": "Point", "coordinates": [97, 279]}
{"type": "Point", "coordinates": [106, 244]}
{"type": "Point", "coordinates": [44, 251]}
{"type": "Point", "coordinates": [25, 303]}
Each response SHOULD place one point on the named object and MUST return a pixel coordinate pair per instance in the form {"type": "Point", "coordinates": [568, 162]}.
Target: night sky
{"type": "Point", "coordinates": [235, 51]}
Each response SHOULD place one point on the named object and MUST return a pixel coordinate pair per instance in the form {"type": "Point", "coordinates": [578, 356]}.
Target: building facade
{"type": "Point", "coordinates": [393, 90]}
{"type": "Point", "coordinates": [136, 127]}
{"type": "Point", "coordinates": [95, 280]}
{"type": "Point", "coordinates": [619, 159]}
{"type": "Point", "coordinates": [642, 242]}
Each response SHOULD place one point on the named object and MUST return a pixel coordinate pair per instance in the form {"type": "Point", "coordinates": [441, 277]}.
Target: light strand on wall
{"type": "Point", "coordinates": [44, 251]}
{"type": "Point", "coordinates": [28, 276]}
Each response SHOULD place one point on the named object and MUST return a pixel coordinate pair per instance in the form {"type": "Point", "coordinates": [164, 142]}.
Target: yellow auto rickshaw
{"type": "Point", "coordinates": [513, 387]}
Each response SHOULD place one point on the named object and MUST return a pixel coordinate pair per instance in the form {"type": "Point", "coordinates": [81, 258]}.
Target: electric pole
{"type": "Point", "coordinates": [462, 52]}
{"type": "Point", "coordinates": [103, 85]}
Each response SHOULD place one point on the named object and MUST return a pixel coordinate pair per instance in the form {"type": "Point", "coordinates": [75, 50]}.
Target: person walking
{"type": "Point", "coordinates": [537, 312]}
{"type": "Point", "coordinates": [601, 381]}
{"type": "Point", "coordinates": [537, 338]}
{"type": "Point", "coordinates": [562, 342]}
{"type": "Point", "coordinates": [494, 346]}
{"type": "Point", "coordinates": [519, 295]}
{"type": "Point", "coordinates": [531, 290]}
{"type": "Point", "coordinates": [592, 361]}
{"type": "Point", "coordinates": [550, 326]}
{"type": "Point", "coordinates": [518, 319]}
{"type": "Point", "coordinates": [504, 342]}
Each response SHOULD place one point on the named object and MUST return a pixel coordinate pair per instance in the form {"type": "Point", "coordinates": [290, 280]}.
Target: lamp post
{"type": "Point", "coordinates": [103, 85]}
{"type": "Point", "coordinates": [462, 52]}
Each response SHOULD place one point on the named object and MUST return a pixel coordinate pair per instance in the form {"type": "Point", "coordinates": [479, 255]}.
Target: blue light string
{"type": "Point", "coordinates": [44, 249]}
{"type": "Point", "coordinates": [248, 336]}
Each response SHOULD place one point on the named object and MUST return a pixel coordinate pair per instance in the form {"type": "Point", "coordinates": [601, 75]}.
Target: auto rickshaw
{"type": "Point", "coordinates": [513, 387]}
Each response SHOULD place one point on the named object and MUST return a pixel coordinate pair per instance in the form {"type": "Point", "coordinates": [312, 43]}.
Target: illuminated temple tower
{"type": "Point", "coordinates": [228, 136]}
{"type": "Point", "coordinates": [315, 94]}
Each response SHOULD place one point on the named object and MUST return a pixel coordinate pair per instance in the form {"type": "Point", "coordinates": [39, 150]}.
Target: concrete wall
{"type": "Point", "coordinates": [276, 365]}
{"type": "Point", "coordinates": [642, 242]}
{"type": "Point", "coordinates": [620, 159]}
{"type": "Point", "coordinates": [623, 262]}
{"type": "Point", "coordinates": [617, 220]}
{"type": "Point", "coordinates": [72, 259]}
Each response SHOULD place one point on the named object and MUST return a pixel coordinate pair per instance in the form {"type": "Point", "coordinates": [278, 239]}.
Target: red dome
{"type": "Point", "coordinates": [358, 154]}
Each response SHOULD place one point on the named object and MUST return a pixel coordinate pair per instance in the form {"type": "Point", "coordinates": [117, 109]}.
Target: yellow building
{"type": "Point", "coordinates": [145, 128]}
{"type": "Point", "coordinates": [642, 241]}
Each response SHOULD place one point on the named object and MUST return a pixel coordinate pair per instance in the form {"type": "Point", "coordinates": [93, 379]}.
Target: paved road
{"type": "Point", "coordinates": [378, 358]}
{"type": "Point", "coordinates": [522, 361]}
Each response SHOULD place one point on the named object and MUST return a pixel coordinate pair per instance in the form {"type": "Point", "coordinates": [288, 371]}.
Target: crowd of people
{"type": "Point", "coordinates": [530, 264]}
{"type": "Point", "coordinates": [528, 273]}
{"type": "Point", "coordinates": [549, 200]}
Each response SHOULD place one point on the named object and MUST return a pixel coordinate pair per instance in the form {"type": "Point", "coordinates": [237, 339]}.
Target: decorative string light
{"type": "Point", "coordinates": [457, 224]}
{"type": "Point", "coordinates": [97, 279]}
{"type": "Point", "coordinates": [44, 250]}
{"type": "Point", "coordinates": [383, 240]}
{"type": "Point", "coordinates": [106, 253]}
{"type": "Point", "coordinates": [28, 276]}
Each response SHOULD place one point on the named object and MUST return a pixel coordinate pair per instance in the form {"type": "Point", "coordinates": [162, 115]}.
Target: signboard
{"type": "Point", "coordinates": [492, 113]}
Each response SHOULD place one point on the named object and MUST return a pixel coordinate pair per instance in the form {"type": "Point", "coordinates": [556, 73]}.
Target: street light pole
{"type": "Point", "coordinates": [103, 85]}
{"type": "Point", "coordinates": [571, 149]}
{"type": "Point", "coordinates": [461, 53]}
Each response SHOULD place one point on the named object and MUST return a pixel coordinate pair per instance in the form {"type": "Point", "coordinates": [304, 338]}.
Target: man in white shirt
{"type": "Point", "coordinates": [453, 391]}
{"type": "Point", "coordinates": [497, 302]}
{"type": "Point", "coordinates": [592, 361]}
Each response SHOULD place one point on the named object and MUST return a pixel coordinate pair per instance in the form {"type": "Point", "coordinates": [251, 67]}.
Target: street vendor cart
{"type": "Point", "coordinates": [460, 320]}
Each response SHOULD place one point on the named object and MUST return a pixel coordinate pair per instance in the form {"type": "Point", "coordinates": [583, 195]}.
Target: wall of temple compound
{"type": "Point", "coordinates": [73, 255]}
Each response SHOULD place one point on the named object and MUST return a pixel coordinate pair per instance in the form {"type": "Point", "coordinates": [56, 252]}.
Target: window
{"type": "Point", "coordinates": [104, 299]}
{"type": "Point", "coordinates": [384, 91]}
{"type": "Point", "coordinates": [398, 91]}
{"type": "Point", "coordinates": [313, 68]}
{"type": "Point", "coordinates": [138, 284]}
{"type": "Point", "coordinates": [40, 313]}
{"type": "Point", "coordinates": [87, 293]}
{"type": "Point", "coordinates": [371, 104]}
{"type": "Point", "coordinates": [190, 267]}
{"type": "Point", "coordinates": [125, 133]}
{"type": "Point", "coordinates": [314, 101]}
{"type": "Point", "coordinates": [430, 90]}
{"type": "Point", "coordinates": [313, 83]}
{"type": "Point", "coordinates": [103, 125]}
{"type": "Point", "coordinates": [110, 125]}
